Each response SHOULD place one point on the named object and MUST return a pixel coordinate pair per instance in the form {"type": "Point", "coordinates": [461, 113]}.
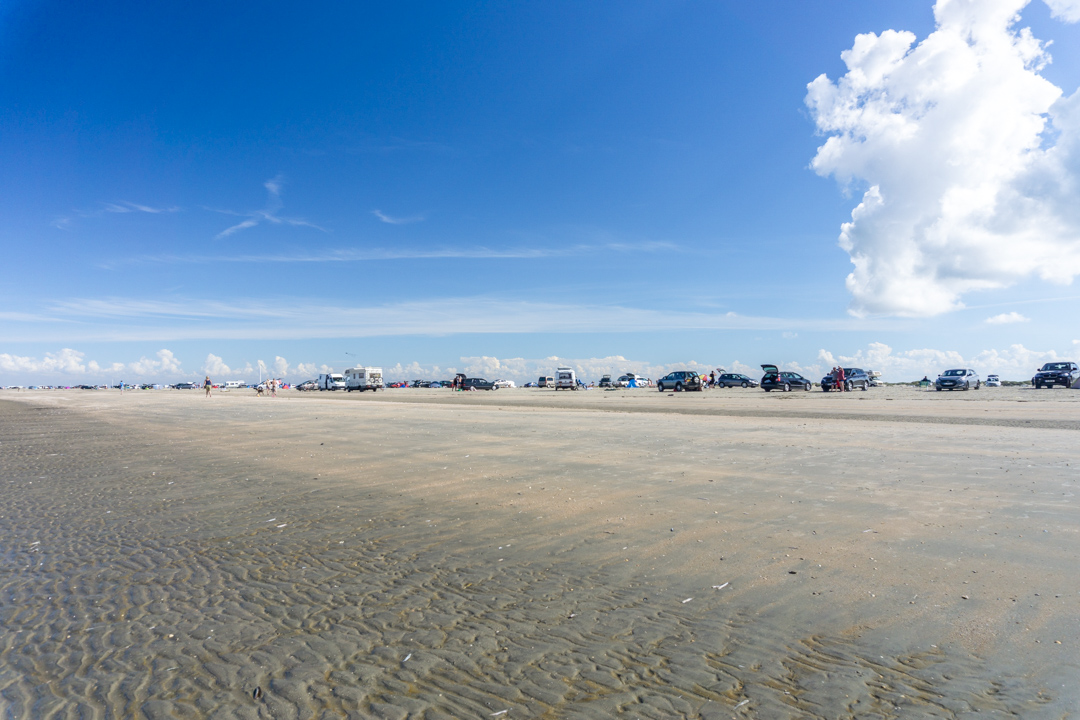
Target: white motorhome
{"type": "Point", "coordinates": [565, 379]}
{"type": "Point", "coordinates": [331, 381]}
{"type": "Point", "coordinates": [234, 384]}
{"type": "Point", "coordinates": [363, 378]}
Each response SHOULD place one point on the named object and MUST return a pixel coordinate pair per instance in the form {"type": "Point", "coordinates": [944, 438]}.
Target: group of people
{"type": "Point", "coordinates": [270, 387]}
{"type": "Point", "coordinates": [839, 382]}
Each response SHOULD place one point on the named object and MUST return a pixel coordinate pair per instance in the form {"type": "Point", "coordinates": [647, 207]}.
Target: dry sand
{"type": "Point", "coordinates": [425, 554]}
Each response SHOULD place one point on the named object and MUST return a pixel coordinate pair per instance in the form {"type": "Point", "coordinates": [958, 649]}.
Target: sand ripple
{"type": "Point", "coordinates": [126, 595]}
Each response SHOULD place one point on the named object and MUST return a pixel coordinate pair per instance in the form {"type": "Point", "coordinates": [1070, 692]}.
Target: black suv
{"type": "Point", "coordinates": [774, 379]}
{"type": "Point", "coordinates": [680, 380]}
{"type": "Point", "coordinates": [1056, 373]}
{"type": "Point", "coordinates": [853, 378]}
{"type": "Point", "coordinates": [479, 384]}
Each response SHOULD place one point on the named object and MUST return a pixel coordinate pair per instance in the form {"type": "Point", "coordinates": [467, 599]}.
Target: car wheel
{"type": "Point", "coordinates": [660, 387]}
{"type": "Point", "coordinates": [787, 387]}
{"type": "Point", "coordinates": [865, 386]}
{"type": "Point", "coordinates": [678, 387]}
{"type": "Point", "coordinates": [978, 384]}
{"type": "Point", "coordinates": [807, 386]}
{"type": "Point", "coordinates": [938, 389]}
{"type": "Point", "coordinates": [767, 389]}
{"type": "Point", "coordinates": [824, 389]}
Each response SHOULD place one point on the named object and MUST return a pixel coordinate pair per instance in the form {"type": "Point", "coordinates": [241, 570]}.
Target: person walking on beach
{"type": "Point", "coordinates": [273, 388]}
{"type": "Point", "coordinates": [208, 385]}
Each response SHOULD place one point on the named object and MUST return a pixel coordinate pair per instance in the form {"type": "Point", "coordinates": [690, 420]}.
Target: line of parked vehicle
{"type": "Point", "coordinates": [1051, 374]}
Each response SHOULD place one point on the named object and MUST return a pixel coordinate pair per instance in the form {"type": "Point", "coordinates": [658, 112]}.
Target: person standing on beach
{"type": "Point", "coordinates": [840, 379]}
{"type": "Point", "coordinates": [273, 387]}
{"type": "Point", "coordinates": [207, 384]}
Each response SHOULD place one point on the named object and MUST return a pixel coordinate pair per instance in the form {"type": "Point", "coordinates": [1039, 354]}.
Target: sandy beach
{"type": "Point", "coordinates": [532, 554]}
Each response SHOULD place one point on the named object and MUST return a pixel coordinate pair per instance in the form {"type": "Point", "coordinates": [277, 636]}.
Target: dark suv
{"type": "Point", "coordinates": [853, 378]}
{"type": "Point", "coordinates": [774, 379]}
{"type": "Point", "coordinates": [478, 384]}
{"type": "Point", "coordinates": [680, 380]}
{"type": "Point", "coordinates": [1056, 373]}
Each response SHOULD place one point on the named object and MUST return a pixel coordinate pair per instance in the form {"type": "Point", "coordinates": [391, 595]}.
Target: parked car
{"type": "Point", "coordinates": [774, 379]}
{"type": "Point", "coordinates": [605, 381]}
{"type": "Point", "coordinates": [530, 384]}
{"type": "Point", "coordinates": [631, 380]}
{"type": "Point", "coordinates": [993, 381]}
{"type": "Point", "coordinates": [308, 386]}
{"type": "Point", "coordinates": [185, 386]}
{"type": "Point", "coordinates": [546, 381]}
{"type": "Point", "coordinates": [958, 379]}
{"type": "Point", "coordinates": [479, 384]}
{"type": "Point", "coordinates": [565, 379]}
{"type": "Point", "coordinates": [1056, 373]}
{"type": "Point", "coordinates": [680, 380]}
{"type": "Point", "coordinates": [853, 378]}
{"type": "Point", "coordinates": [727, 380]}
{"type": "Point", "coordinates": [505, 383]}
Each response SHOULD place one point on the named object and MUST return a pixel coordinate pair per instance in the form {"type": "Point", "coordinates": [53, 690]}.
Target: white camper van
{"type": "Point", "coordinates": [363, 378]}
{"type": "Point", "coordinates": [234, 384]}
{"type": "Point", "coordinates": [565, 379]}
{"type": "Point", "coordinates": [331, 381]}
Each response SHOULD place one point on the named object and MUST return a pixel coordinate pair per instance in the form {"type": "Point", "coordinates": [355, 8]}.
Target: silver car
{"type": "Point", "coordinates": [959, 379]}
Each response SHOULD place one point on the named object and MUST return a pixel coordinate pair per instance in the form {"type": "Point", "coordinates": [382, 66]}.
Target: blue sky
{"type": "Point", "coordinates": [484, 187]}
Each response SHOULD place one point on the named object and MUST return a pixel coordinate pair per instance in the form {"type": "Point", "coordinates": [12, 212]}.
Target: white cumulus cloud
{"type": "Point", "coordinates": [969, 157]}
{"type": "Point", "coordinates": [215, 366]}
{"type": "Point", "coordinates": [1007, 318]}
{"type": "Point", "coordinates": [65, 361]}
{"type": "Point", "coordinates": [1013, 363]}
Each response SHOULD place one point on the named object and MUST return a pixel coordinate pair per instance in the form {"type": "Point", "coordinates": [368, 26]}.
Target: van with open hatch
{"type": "Point", "coordinates": [775, 379]}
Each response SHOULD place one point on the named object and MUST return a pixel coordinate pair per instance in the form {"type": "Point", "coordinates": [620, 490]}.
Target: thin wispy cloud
{"type": "Point", "coordinates": [128, 207]}
{"type": "Point", "coordinates": [390, 220]}
{"type": "Point", "coordinates": [345, 255]}
{"type": "Point", "coordinates": [267, 214]}
{"type": "Point", "coordinates": [126, 319]}
{"type": "Point", "coordinates": [122, 207]}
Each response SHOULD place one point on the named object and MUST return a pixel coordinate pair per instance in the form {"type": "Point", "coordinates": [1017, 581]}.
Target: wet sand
{"type": "Point", "coordinates": [424, 554]}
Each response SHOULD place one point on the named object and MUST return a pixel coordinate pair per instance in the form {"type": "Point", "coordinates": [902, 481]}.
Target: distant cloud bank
{"type": "Point", "coordinates": [71, 366]}
{"type": "Point", "coordinates": [969, 157]}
